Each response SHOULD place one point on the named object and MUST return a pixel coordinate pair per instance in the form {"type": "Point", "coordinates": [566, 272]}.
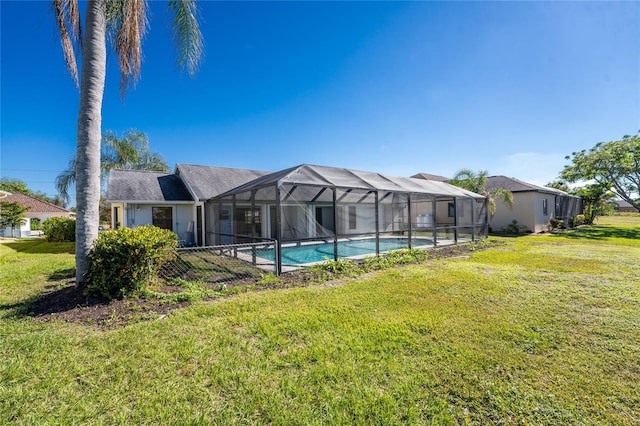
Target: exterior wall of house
{"type": "Point", "coordinates": [543, 216]}
{"type": "Point", "coordinates": [133, 215]}
{"type": "Point", "coordinates": [23, 231]}
{"type": "Point", "coordinates": [522, 211]}
{"type": "Point", "coordinates": [527, 210]}
{"type": "Point", "coordinates": [25, 228]}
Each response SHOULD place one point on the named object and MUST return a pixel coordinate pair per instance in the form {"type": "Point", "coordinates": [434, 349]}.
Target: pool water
{"type": "Point", "coordinates": [297, 255]}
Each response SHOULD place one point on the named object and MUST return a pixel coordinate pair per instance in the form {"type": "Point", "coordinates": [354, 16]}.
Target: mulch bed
{"type": "Point", "coordinates": [65, 302]}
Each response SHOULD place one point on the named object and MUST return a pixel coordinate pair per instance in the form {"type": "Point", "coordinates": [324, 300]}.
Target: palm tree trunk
{"type": "Point", "coordinates": [92, 80]}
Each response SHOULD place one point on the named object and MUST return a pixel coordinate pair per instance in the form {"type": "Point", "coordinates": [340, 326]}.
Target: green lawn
{"type": "Point", "coordinates": [539, 330]}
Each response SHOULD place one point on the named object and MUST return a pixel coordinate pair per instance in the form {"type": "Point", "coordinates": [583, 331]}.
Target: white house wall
{"type": "Point", "coordinates": [141, 214]}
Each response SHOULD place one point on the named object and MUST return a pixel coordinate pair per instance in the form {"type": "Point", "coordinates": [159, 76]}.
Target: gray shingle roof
{"type": "Point", "coordinates": [428, 176]}
{"type": "Point", "coordinates": [209, 181]}
{"type": "Point", "coordinates": [516, 185]}
{"type": "Point", "coordinates": [136, 185]}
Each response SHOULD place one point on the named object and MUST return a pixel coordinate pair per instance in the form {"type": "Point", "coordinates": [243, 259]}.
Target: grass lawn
{"type": "Point", "coordinates": [539, 330]}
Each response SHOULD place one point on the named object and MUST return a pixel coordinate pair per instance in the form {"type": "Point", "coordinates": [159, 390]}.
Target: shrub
{"type": "Point", "coordinates": [555, 223]}
{"type": "Point", "coordinates": [58, 229]}
{"type": "Point", "coordinates": [35, 224]}
{"type": "Point", "coordinates": [126, 261]}
{"type": "Point", "coordinates": [577, 220]}
{"type": "Point", "coordinates": [514, 228]}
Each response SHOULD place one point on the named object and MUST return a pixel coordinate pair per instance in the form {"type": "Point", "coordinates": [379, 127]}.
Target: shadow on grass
{"type": "Point", "coordinates": [595, 232]}
{"type": "Point", "coordinates": [40, 245]}
{"type": "Point", "coordinates": [57, 298]}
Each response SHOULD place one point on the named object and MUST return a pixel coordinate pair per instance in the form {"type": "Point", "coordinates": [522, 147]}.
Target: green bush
{"type": "Point", "coordinates": [577, 220]}
{"type": "Point", "coordinates": [514, 229]}
{"type": "Point", "coordinates": [59, 229]}
{"type": "Point", "coordinates": [555, 224]}
{"type": "Point", "coordinates": [125, 261]}
{"type": "Point", "coordinates": [35, 224]}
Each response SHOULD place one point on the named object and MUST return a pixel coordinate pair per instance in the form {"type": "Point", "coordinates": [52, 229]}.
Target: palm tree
{"type": "Point", "coordinates": [130, 152]}
{"type": "Point", "coordinates": [126, 23]}
{"type": "Point", "coordinates": [477, 182]}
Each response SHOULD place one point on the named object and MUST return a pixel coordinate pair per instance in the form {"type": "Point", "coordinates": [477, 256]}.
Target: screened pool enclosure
{"type": "Point", "coordinates": [312, 213]}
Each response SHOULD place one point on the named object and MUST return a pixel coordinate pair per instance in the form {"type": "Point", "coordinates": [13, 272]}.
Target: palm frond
{"type": "Point", "coordinates": [187, 35]}
{"type": "Point", "coordinates": [470, 180]}
{"type": "Point", "coordinates": [66, 179]}
{"type": "Point", "coordinates": [131, 28]}
{"type": "Point", "coordinates": [501, 194]}
{"type": "Point", "coordinates": [67, 14]}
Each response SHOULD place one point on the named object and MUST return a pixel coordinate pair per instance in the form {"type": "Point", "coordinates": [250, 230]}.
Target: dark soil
{"type": "Point", "coordinates": [64, 301]}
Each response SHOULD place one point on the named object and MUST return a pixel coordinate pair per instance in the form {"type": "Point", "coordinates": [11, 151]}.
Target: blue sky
{"type": "Point", "coordinates": [393, 87]}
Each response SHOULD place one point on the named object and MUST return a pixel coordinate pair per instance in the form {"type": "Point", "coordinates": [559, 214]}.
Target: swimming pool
{"type": "Point", "coordinates": [298, 255]}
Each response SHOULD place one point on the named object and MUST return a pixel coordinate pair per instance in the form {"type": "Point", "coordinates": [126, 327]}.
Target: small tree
{"type": "Point", "coordinates": [595, 199]}
{"type": "Point", "coordinates": [614, 165]}
{"type": "Point", "coordinates": [12, 215]}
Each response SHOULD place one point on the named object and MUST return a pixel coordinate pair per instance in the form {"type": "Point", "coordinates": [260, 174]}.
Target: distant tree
{"type": "Point", "coordinates": [12, 215]}
{"type": "Point", "coordinates": [477, 182]}
{"type": "Point", "coordinates": [559, 184]}
{"type": "Point", "coordinates": [14, 186]}
{"type": "Point", "coordinates": [596, 199]}
{"type": "Point", "coordinates": [105, 211]}
{"type": "Point", "coordinates": [124, 23]}
{"type": "Point", "coordinates": [614, 165]}
{"type": "Point", "coordinates": [129, 152]}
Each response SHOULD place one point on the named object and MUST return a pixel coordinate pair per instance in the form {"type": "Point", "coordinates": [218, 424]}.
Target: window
{"type": "Point", "coordinates": [162, 217]}
{"type": "Point", "coordinates": [545, 208]}
{"type": "Point", "coordinates": [453, 209]}
{"type": "Point", "coordinates": [243, 221]}
{"type": "Point", "coordinates": [352, 217]}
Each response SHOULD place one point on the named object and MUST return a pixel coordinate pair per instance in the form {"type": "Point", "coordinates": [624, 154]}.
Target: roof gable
{"type": "Point", "coordinates": [209, 181]}
{"type": "Point", "coordinates": [137, 185]}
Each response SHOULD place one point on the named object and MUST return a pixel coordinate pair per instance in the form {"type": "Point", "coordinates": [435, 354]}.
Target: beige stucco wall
{"type": "Point", "coordinates": [527, 210]}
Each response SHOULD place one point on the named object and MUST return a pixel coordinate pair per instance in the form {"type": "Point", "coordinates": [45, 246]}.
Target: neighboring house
{"type": "Point", "coordinates": [171, 201]}
{"type": "Point", "coordinates": [622, 206]}
{"type": "Point", "coordinates": [38, 209]}
{"type": "Point", "coordinates": [533, 206]}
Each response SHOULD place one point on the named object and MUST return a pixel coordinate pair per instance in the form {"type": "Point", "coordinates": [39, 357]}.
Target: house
{"type": "Point", "coordinates": [622, 206]}
{"type": "Point", "coordinates": [306, 206]}
{"type": "Point", "coordinates": [171, 201]}
{"type": "Point", "coordinates": [38, 209]}
{"type": "Point", "coordinates": [534, 206]}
